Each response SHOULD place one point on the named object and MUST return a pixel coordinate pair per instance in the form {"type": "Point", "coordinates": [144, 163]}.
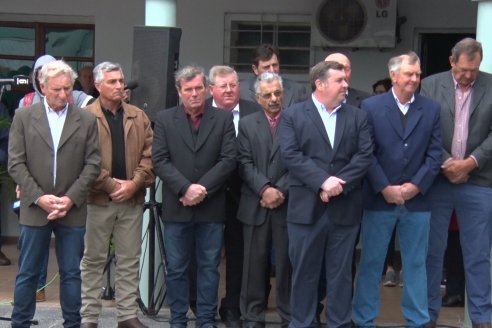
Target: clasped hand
{"type": "Point", "coordinates": [194, 195]}
{"type": "Point", "coordinates": [56, 207]}
{"type": "Point", "coordinates": [332, 187]}
{"type": "Point", "coordinates": [271, 198]}
{"type": "Point", "coordinates": [398, 194]}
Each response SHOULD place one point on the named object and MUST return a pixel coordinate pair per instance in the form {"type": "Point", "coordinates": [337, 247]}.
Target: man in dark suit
{"type": "Point", "coordinates": [194, 153]}
{"type": "Point", "coordinates": [266, 59]}
{"type": "Point", "coordinates": [326, 146]}
{"type": "Point", "coordinates": [354, 96]}
{"type": "Point", "coordinates": [407, 154]}
{"type": "Point", "coordinates": [466, 177]}
{"type": "Point", "coordinates": [54, 158]}
{"type": "Point", "coordinates": [224, 88]}
{"type": "Point", "coordinates": [263, 205]}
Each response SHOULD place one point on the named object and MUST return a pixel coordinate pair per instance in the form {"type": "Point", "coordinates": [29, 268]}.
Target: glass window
{"type": "Point", "coordinates": [65, 42]}
{"type": "Point", "coordinates": [290, 33]}
{"type": "Point", "coordinates": [17, 41]}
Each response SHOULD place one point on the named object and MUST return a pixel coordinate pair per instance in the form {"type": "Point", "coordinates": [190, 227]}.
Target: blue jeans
{"type": "Point", "coordinates": [43, 270]}
{"type": "Point", "coordinates": [34, 243]}
{"type": "Point", "coordinates": [179, 239]}
{"type": "Point", "coordinates": [473, 206]}
{"type": "Point", "coordinates": [413, 233]}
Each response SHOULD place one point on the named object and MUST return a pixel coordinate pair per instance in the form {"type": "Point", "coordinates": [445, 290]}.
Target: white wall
{"type": "Point", "coordinates": [203, 25]}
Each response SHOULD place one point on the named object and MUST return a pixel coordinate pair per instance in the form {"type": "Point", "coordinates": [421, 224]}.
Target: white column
{"type": "Point", "coordinates": [160, 13]}
{"type": "Point", "coordinates": [484, 25]}
{"type": "Point", "coordinates": [157, 13]}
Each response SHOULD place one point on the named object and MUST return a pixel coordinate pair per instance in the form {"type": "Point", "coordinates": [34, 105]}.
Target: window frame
{"type": "Point", "coordinates": [261, 20]}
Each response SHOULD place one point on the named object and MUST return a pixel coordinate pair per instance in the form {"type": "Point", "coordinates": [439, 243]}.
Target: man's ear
{"type": "Point", "coordinates": [255, 70]}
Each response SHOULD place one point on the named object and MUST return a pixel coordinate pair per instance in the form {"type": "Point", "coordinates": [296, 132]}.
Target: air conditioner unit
{"type": "Point", "coordinates": [354, 23]}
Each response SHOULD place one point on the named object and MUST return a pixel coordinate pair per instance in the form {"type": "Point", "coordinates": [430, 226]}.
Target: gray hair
{"type": "Point", "coordinates": [267, 77]}
{"type": "Point", "coordinates": [468, 47]}
{"type": "Point", "coordinates": [105, 67]}
{"type": "Point", "coordinates": [220, 70]}
{"type": "Point", "coordinates": [320, 71]}
{"type": "Point", "coordinates": [188, 73]}
{"type": "Point", "coordinates": [56, 68]}
{"type": "Point", "coordinates": [394, 64]}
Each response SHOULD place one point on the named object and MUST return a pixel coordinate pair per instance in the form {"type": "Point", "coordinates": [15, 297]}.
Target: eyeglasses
{"type": "Point", "coordinates": [268, 96]}
{"type": "Point", "coordinates": [224, 87]}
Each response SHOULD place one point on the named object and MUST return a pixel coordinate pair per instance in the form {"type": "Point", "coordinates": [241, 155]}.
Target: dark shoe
{"type": "Point", "coordinates": [231, 317]}
{"type": "Point", "coordinates": [430, 324]}
{"type": "Point", "coordinates": [253, 325]}
{"type": "Point", "coordinates": [131, 323]}
{"type": "Point", "coordinates": [193, 308]}
{"type": "Point", "coordinates": [40, 296]}
{"type": "Point", "coordinates": [481, 325]}
{"type": "Point", "coordinates": [88, 325]}
{"type": "Point", "coordinates": [4, 259]}
{"type": "Point", "coordinates": [453, 301]}
{"type": "Point", "coordinates": [177, 325]}
{"type": "Point", "coordinates": [317, 321]}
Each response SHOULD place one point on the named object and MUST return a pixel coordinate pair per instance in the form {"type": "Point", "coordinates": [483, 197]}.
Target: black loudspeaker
{"type": "Point", "coordinates": [155, 59]}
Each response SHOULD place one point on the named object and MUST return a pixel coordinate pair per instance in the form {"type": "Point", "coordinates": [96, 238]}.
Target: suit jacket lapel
{"type": "Point", "coordinates": [42, 125]}
{"type": "Point", "coordinates": [477, 95]}
{"type": "Point", "coordinates": [392, 113]}
{"type": "Point", "coordinates": [414, 115]}
{"type": "Point", "coordinates": [288, 94]}
{"type": "Point", "coordinates": [313, 114]}
{"type": "Point", "coordinates": [206, 126]}
{"type": "Point", "coordinates": [71, 125]}
{"type": "Point", "coordinates": [181, 121]}
{"type": "Point", "coordinates": [447, 88]}
{"type": "Point", "coordinates": [340, 127]}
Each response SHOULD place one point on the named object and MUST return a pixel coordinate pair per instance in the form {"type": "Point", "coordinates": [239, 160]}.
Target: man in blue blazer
{"type": "Point", "coordinates": [407, 154]}
{"type": "Point", "coordinates": [326, 146]}
{"type": "Point", "coordinates": [465, 182]}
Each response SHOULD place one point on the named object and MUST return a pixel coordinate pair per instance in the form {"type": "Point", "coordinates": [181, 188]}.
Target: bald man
{"type": "Point", "coordinates": [354, 96]}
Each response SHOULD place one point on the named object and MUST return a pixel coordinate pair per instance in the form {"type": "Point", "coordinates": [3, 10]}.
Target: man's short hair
{"type": "Point", "coordinates": [56, 68]}
{"type": "Point", "coordinates": [468, 47]}
{"type": "Point", "coordinates": [188, 73]}
{"type": "Point", "coordinates": [320, 71]}
{"type": "Point", "coordinates": [105, 67]}
{"type": "Point", "coordinates": [394, 64]}
{"type": "Point", "coordinates": [267, 77]}
{"type": "Point", "coordinates": [220, 70]}
{"type": "Point", "coordinates": [264, 52]}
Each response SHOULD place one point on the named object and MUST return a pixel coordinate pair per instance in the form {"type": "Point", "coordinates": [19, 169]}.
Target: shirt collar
{"type": "Point", "coordinates": [398, 100]}
{"type": "Point", "coordinates": [51, 110]}
{"type": "Point", "coordinates": [234, 110]}
{"type": "Point", "coordinates": [322, 108]}
{"type": "Point", "coordinates": [456, 86]}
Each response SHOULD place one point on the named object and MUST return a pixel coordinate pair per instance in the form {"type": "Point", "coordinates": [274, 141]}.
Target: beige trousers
{"type": "Point", "coordinates": [124, 222]}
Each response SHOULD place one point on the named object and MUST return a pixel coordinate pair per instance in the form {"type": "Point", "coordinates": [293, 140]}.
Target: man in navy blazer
{"type": "Point", "coordinates": [465, 182]}
{"type": "Point", "coordinates": [407, 154]}
{"type": "Point", "coordinates": [326, 146]}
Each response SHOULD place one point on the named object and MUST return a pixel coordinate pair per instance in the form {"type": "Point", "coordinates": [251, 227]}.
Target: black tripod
{"type": "Point", "coordinates": [156, 272]}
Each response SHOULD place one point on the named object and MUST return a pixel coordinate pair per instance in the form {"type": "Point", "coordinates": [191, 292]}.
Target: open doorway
{"type": "Point", "coordinates": [435, 49]}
